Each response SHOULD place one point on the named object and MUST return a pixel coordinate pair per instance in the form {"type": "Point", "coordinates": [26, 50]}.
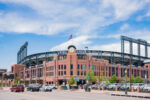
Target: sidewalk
{"type": "Point", "coordinates": [119, 93]}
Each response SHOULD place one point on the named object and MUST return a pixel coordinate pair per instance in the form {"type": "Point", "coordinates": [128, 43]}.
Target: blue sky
{"type": "Point", "coordinates": [47, 25]}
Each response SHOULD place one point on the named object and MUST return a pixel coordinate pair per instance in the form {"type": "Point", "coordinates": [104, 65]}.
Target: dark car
{"type": "Point", "coordinates": [33, 87]}
{"type": "Point", "coordinates": [17, 88]}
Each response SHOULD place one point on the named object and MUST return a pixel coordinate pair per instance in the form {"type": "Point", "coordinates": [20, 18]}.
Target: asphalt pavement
{"type": "Point", "coordinates": [60, 95]}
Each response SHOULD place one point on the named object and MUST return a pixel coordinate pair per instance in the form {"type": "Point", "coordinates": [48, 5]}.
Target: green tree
{"type": "Point", "coordinates": [138, 80]}
{"type": "Point", "coordinates": [18, 80]}
{"type": "Point", "coordinates": [92, 78]}
{"type": "Point", "coordinates": [132, 79]}
{"type": "Point", "coordinates": [72, 81]}
{"type": "Point", "coordinates": [107, 82]}
{"type": "Point", "coordinates": [113, 79]}
{"type": "Point", "coordinates": [124, 78]}
{"type": "Point", "coordinates": [101, 77]}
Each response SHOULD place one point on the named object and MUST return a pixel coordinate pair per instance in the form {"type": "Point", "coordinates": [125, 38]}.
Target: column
{"type": "Point", "coordinates": [146, 51]}
{"type": "Point", "coordinates": [122, 51]}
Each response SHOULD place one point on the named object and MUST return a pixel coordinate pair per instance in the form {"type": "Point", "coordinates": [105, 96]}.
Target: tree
{"type": "Point", "coordinates": [18, 80]}
{"type": "Point", "coordinates": [138, 80]}
{"type": "Point", "coordinates": [107, 82]}
{"type": "Point", "coordinates": [113, 79]}
{"type": "Point", "coordinates": [124, 78]}
{"type": "Point", "coordinates": [132, 79]}
{"type": "Point", "coordinates": [101, 77]}
{"type": "Point", "coordinates": [92, 78]}
{"type": "Point", "coordinates": [72, 81]}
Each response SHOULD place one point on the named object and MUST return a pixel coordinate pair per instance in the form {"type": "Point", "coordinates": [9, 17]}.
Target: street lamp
{"type": "Point", "coordinates": [87, 78]}
{"type": "Point", "coordinates": [55, 70]}
{"type": "Point", "coordinates": [145, 78]}
{"type": "Point", "coordinates": [126, 82]}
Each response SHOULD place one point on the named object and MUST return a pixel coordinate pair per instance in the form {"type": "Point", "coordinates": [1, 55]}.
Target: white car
{"type": "Point", "coordinates": [146, 87]}
{"type": "Point", "coordinates": [46, 88]}
{"type": "Point", "coordinates": [136, 85]}
{"type": "Point", "coordinates": [54, 86]}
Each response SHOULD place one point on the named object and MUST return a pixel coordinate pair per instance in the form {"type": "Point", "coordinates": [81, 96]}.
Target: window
{"type": "Point", "coordinates": [64, 72]}
{"type": "Point", "coordinates": [64, 66]}
{"type": "Point", "coordinates": [84, 67]}
{"type": "Point", "coordinates": [78, 73]}
{"type": "Point", "coordinates": [71, 72]}
{"type": "Point", "coordinates": [84, 73]}
{"type": "Point", "coordinates": [78, 66]}
{"type": "Point", "coordinates": [81, 67]}
{"type": "Point", "coordinates": [71, 66]}
{"type": "Point", "coordinates": [81, 73]}
{"type": "Point", "coordinates": [113, 71]}
{"type": "Point", "coordinates": [116, 71]}
{"type": "Point", "coordinates": [61, 73]}
{"type": "Point", "coordinates": [61, 66]}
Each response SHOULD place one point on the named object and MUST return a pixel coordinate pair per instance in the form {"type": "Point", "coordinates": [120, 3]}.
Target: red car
{"type": "Point", "coordinates": [17, 88]}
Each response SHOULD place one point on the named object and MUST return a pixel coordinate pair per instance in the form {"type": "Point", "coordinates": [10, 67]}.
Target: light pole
{"type": "Point", "coordinates": [145, 78]}
{"type": "Point", "coordinates": [87, 78]}
{"type": "Point", "coordinates": [126, 82]}
{"type": "Point", "coordinates": [55, 71]}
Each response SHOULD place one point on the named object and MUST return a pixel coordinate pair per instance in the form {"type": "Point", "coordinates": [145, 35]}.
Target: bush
{"type": "Point", "coordinates": [138, 80]}
{"type": "Point", "coordinates": [113, 79]}
{"type": "Point", "coordinates": [72, 81]}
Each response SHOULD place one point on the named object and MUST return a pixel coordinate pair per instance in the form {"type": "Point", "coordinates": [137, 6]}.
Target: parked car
{"type": "Point", "coordinates": [119, 85]}
{"type": "Point", "coordinates": [17, 88]}
{"type": "Point", "coordinates": [46, 88]}
{"type": "Point", "coordinates": [53, 86]}
{"type": "Point", "coordinates": [103, 85]}
{"type": "Point", "coordinates": [33, 87]}
{"type": "Point", "coordinates": [136, 85]}
{"type": "Point", "coordinates": [112, 86]}
{"type": "Point", "coordinates": [146, 87]}
{"type": "Point", "coordinates": [124, 86]}
{"type": "Point", "coordinates": [95, 86]}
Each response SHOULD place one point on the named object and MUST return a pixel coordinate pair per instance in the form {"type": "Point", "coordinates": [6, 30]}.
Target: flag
{"type": "Point", "coordinates": [70, 37]}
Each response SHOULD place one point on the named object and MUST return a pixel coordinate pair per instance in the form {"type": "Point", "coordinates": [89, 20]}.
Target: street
{"type": "Point", "coordinates": [60, 95]}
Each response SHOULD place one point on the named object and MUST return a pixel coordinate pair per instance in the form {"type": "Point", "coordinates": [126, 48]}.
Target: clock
{"type": "Point", "coordinates": [71, 49]}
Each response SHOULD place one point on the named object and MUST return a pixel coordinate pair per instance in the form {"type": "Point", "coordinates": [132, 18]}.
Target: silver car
{"type": "Point", "coordinates": [46, 88]}
{"type": "Point", "coordinates": [146, 87]}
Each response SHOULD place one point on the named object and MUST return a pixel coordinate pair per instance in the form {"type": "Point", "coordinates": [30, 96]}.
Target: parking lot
{"type": "Point", "coordinates": [62, 95]}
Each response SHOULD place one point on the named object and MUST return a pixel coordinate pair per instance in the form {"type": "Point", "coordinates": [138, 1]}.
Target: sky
{"type": "Point", "coordinates": [47, 25]}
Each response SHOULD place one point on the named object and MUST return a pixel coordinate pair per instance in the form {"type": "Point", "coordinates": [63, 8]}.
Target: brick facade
{"type": "Point", "coordinates": [63, 67]}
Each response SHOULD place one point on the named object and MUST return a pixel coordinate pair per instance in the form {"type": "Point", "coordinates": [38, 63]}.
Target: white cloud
{"type": "Point", "coordinates": [80, 42]}
{"type": "Point", "coordinates": [138, 34]}
{"type": "Point", "coordinates": [124, 8]}
{"type": "Point", "coordinates": [56, 17]}
{"type": "Point", "coordinates": [124, 27]}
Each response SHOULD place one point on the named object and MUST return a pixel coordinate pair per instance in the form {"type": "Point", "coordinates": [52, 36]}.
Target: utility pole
{"type": "Point", "coordinates": [130, 72]}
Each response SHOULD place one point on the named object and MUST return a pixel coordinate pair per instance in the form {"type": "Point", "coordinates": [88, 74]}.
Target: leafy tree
{"type": "Point", "coordinates": [92, 78]}
{"type": "Point", "coordinates": [101, 77]}
{"type": "Point", "coordinates": [138, 80]}
{"type": "Point", "coordinates": [132, 79]}
{"type": "Point", "coordinates": [107, 82]}
{"type": "Point", "coordinates": [113, 79]}
{"type": "Point", "coordinates": [124, 78]}
{"type": "Point", "coordinates": [72, 81]}
{"type": "Point", "coordinates": [18, 80]}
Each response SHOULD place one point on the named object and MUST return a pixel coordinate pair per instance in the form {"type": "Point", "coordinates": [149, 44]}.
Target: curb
{"type": "Point", "coordinates": [147, 97]}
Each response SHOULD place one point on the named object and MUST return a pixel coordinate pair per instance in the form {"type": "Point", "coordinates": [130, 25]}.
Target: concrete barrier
{"type": "Point", "coordinates": [116, 88]}
{"type": "Point", "coordinates": [99, 88]}
{"type": "Point", "coordinates": [132, 89]}
{"type": "Point", "coordinates": [103, 88]}
{"type": "Point", "coordinates": [138, 89]}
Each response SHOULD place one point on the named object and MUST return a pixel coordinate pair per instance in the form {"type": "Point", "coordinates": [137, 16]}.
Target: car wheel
{"type": "Point", "coordinates": [32, 90]}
